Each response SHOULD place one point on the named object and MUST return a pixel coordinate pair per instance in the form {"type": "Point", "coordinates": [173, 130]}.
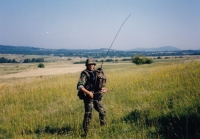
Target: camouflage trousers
{"type": "Point", "coordinates": [98, 106]}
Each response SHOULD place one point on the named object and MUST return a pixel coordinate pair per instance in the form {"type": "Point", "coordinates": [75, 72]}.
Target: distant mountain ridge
{"type": "Point", "coordinates": [164, 48]}
{"type": "Point", "coordinates": [96, 53]}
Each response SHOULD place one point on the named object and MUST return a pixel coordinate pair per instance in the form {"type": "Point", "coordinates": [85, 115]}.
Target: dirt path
{"type": "Point", "coordinates": [45, 71]}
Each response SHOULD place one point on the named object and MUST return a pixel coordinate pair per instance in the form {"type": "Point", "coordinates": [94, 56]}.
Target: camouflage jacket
{"type": "Point", "coordinates": [87, 80]}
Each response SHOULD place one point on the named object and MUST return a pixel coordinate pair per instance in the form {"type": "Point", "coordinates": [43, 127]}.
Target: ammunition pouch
{"type": "Point", "coordinates": [81, 95]}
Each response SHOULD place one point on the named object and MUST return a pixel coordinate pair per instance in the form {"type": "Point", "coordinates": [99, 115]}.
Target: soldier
{"type": "Point", "coordinates": [91, 86]}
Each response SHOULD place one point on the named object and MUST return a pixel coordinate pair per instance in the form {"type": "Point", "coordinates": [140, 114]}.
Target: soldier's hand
{"type": "Point", "coordinates": [104, 90]}
{"type": "Point", "coordinates": [90, 94]}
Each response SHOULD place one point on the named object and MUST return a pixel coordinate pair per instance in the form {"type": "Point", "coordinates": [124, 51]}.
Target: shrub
{"type": "Point", "coordinates": [33, 60]}
{"type": "Point", "coordinates": [40, 60]}
{"type": "Point", "coordinates": [126, 59]}
{"type": "Point", "coordinates": [41, 65]}
{"type": "Point", "coordinates": [149, 61]}
{"type": "Point", "coordinates": [109, 60]}
{"type": "Point", "coordinates": [27, 61]}
{"type": "Point", "coordinates": [138, 59]}
{"type": "Point", "coordinates": [81, 62]}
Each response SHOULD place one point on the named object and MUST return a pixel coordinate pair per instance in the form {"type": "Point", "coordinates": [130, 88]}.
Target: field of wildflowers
{"type": "Point", "coordinates": [144, 102]}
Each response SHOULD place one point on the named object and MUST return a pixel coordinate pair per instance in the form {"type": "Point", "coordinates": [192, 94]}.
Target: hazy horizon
{"type": "Point", "coordinates": [140, 49]}
{"type": "Point", "coordinates": [93, 24]}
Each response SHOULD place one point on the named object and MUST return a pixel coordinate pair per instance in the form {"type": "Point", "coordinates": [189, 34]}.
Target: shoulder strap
{"type": "Point", "coordinates": [99, 70]}
{"type": "Point", "coordinates": [87, 74]}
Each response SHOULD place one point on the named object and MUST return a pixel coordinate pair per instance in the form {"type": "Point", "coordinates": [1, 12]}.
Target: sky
{"type": "Point", "coordinates": [93, 24]}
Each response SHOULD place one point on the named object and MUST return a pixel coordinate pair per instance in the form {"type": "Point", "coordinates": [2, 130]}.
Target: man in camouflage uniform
{"type": "Point", "coordinates": [93, 95]}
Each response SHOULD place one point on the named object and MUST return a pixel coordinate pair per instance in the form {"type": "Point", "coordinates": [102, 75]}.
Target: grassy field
{"type": "Point", "coordinates": [160, 100]}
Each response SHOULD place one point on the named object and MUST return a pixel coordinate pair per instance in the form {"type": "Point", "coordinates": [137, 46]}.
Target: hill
{"type": "Point", "coordinates": [164, 48]}
{"type": "Point", "coordinates": [97, 53]}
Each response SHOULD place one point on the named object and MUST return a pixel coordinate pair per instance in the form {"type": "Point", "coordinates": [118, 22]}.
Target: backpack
{"type": "Point", "coordinates": [100, 82]}
{"type": "Point", "coordinates": [101, 79]}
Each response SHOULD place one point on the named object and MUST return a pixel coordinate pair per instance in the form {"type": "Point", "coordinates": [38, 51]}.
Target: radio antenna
{"type": "Point", "coordinates": [114, 39]}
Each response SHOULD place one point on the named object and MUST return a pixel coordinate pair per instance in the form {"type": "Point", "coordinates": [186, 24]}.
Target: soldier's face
{"type": "Point", "coordinates": [91, 67]}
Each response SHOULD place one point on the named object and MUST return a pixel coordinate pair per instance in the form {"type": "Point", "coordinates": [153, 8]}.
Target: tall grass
{"type": "Point", "coordinates": [147, 101]}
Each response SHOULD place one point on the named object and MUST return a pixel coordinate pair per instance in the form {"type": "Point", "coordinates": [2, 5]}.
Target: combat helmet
{"type": "Point", "coordinates": [90, 61]}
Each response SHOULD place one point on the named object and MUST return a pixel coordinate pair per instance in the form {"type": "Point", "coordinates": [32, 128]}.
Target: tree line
{"type": "Point", "coordinates": [33, 60]}
{"type": "Point", "coordinates": [95, 53]}
{"type": "Point", "coordinates": [5, 60]}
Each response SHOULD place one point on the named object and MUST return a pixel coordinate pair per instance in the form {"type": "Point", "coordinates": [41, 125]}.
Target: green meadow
{"type": "Point", "coordinates": [156, 101]}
